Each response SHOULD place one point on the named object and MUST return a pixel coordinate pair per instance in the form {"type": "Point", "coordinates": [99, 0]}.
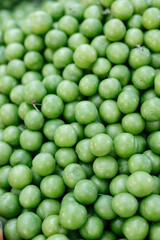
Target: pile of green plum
{"type": "Point", "coordinates": [80, 120]}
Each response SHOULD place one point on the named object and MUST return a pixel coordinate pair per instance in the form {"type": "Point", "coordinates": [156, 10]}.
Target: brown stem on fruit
{"type": "Point", "coordinates": [34, 105]}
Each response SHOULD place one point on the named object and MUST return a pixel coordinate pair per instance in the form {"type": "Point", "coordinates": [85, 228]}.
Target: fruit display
{"type": "Point", "coordinates": [80, 120]}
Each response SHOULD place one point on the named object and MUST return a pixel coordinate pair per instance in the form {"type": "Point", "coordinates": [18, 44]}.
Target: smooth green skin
{"type": "Point", "coordinates": [4, 172]}
{"type": "Point", "coordinates": [92, 229]}
{"type": "Point", "coordinates": [116, 226]}
{"type": "Point", "coordinates": [152, 40]}
{"type": "Point", "coordinates": [16, 95]}
{"type": "Point", "coordinates": [100, 44]}
{"type": "Point", "coordinates": [86, 191]}
{"type": "Point", "coordinates": [68, 198]}
{"type": "Point", "coordinates": [85, 112]}
{"type": "Point", "coordinates": [100, 144]}
{"type": "Point", "coordinates": [49, 69]}
{"type": "Point", "coordinates": [103, 207]}
{"type": "Point", "coordinates": [124, 205]}
{"type": "Point", "coordinates": [1, 134]}
{"type": "Point", "coordinates": [20, 176]}
{"type": "Point", "coordinates": [30, 196]}
{"type": "Point", "coordinates": [62, 57]}
{"type": "Point", "coordinates": [34, 91]}
{"type": "Point", "coordinates": [140, 184]}
{"type": "Point", "coordinates": [74, 9]}
{"type": "Point", "coordinates": [152, 126]}
{"type": "Point", "coordinates": [101, 67]}
{"type": "Point", "coordinates": [65, 136]}
{"type": "Point", "coordinates": [54, 9]}
{"type": "Point", "coordinates": [30, 76]}
{"type": "Point", "coordinates": [9, 114]}
{"type": "Point", "coordinates": [107, 235]}
{"type": "Point", "coordinates": [103, 185]}
{"type": "Point", "coordinates": [153, 143]}
{"type": "Point", "coordinates": [51, 83]}
{"type": "Point", "coordinates": [48, 55]}
{"type": "Point", "coordinates": [84, 56]}
{"type": "Point", "coordinates": [11, 135]}
{"type": "Point", "coordinates": [139, 57]}
{"type": "Point", "coordinates": [44, 164]}
{"type": "Point", "coordinates": [3, 99]}
{"type": "Point", "coordinates": [157, 84]}
{"type": "Point", "coordinates": [122, 9]}
{"type": "Point", "coordinates": [151, 18]}
{"type": "Point", "coordinates": [124, 145]}
{"type": "Point", "coordinates": [50, 127]}
{"type": "Point", "coordinates": [33, 60]}
{"type": "Point", "coordinates": [68, 91]}
{"type": "Point", "coordinates": [156, 188]}
{"type": "Point", "coordinates": [65, 156]}
{"type": "Point", "coordinates": [31, 140]}
{"type": "Point", "coordinates": [15, 191]}
{"type": "Point", "coordinates": [68, 24]}
{"type": "Point", "coordinates": [109, 111]}
{"type": "Point", "coordinates": [26, 26]}
{"type": "Point", "coordinates": [114, 129]}
{"type": "Point", "coordinates": [93, 12]}
{"type": "Point", "coordinates": [72, 73]}
{"type": "Point", "coordinates": [39, 237]}
{"type": "Point", "coordinates": [88, 169]}
{"type": "Point", "coordinates": [72, 215]}
{"type": "Point", "coordinates": [41, 22]}
{"type": "Point", "coordinates": [58, 237]}
{"type": "Point", "coordinates": [52, 186]}
{"type": "Point", "coordinates": [154, 231]}
{"type": "Point", "coordinates": [139, 162]}
{"type": "Point", "coordinates": [36, 177]}
{"type": "Point", "coordinates": [91, 27]}
{"type": "Point", "coordinates": [93, 129]}
{"type": "Point", "coordinates": [109, 88]}
{"type": "Point", "coordinates": [118, 184]}
{"type": "Point", "coordinates": [48, 207]}
{"type": "Point", "coordinates": [135, 21]}
{"type": "Point", "coordinates": [117, 52]}
{"type": "Point", "coordinates": [21, 156]}
{"type": "Point", "coordinates": [143, 77]}
{"type": "Point", "coordinates": [16, 68]}
{"type": "Point", "coordinates": [155, 62]}
{"type": "Point", "coordinates": [34, 120]}
{"type": "Point", "coordinates": [52, 106]}
{"type": "Point", "coordinates": [10, 231]}
{"type": "Point", "coordinates": [127, 102]}
{"type": "Point", "coordinates": [83, 151]}
{"type": "Point", "coordinates": [106, 3]}
{"type": "Point", "coordinates": [77, 39]}
{"type": "Point", "coordinates": [69, 112]}
{"type": "Point", "coordinates": [150, 109]}
{"type": "Point", "coordinates": [114, 30]}
{"type": "Point", "coordinates": [49, 147]}
{"type": "Point", "coordinates": [72, 174]}
{"type": "Point", "coordinates": [5, 153]}
{"type": "Point", "coordinates": [148, 94]}
{"type": "Point", "coordinates": [14, 51]}
{"type": "Point", "coordinates": [149, 207]}
{"type": "Point", "coordinates": [139, 7]}
{"type": "Point", "coordinates": [133, 119]}
{"type": "Point", "coordinates": [3, 70]}
{"type": "Point", "coordinates": [135, 228]}
{"type": "Point", "coordinates": [105, 167]}
{"type": "Point", "coordinates": [9, 205]}
{"type": "Point", "coordinates": [51, 225]}
{"type": "Point", "coordinates": [140, 144]}
{"type": "Point", "coordinates": [134, 37]}
{"type": "Point", "coordinates": [34, 42]}
{"type": "Point", "coordinates": [13, 35]}
{"type": "Point", "coordinates": [23, 109]}
{"type": "Point", "coordinates": [120, 72]}
{"type": "Point", "coordinates": [28, 225]}
{"type": "Point", "coordinates": [88, 85]}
